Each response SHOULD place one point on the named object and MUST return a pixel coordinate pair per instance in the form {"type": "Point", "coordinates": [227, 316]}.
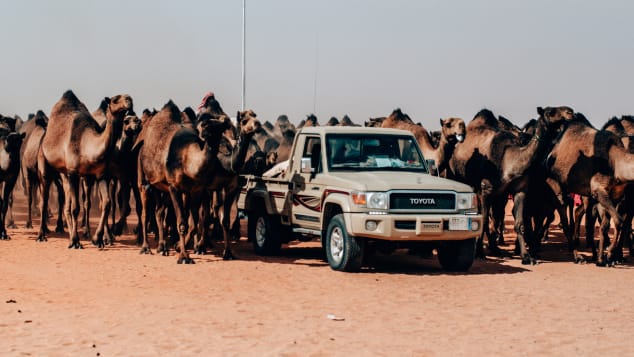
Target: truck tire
{"type": "Point", "coordinates": [264, 232]}
{"type": "Point", "coordinates": [344, 252]}
{"type": "Point", "coordinates": [457, 255]}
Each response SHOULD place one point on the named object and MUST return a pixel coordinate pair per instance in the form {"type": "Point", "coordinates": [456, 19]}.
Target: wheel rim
{"type": "Point", "coordinates": [336, 245]}
{"type": "Point", "coordinates": [260, 231]}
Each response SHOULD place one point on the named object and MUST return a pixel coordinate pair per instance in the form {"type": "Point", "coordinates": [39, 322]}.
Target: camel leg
{"type": "Point", "coordinates": [112, 193]}
{"type": "Point", "coordinates": [59, 227]}
{"type": "Point", "coordinates": [497, 219]}
{"type": "Point", "coordinates": [4, 205]}
{"type": "Point", "coordinates": [45, 185]}
{"type": "Point", "coordinates": [230, 197]}
{"type": "Point", "coordinates": [578, 214]}
{"type": "Point", "coordinates": [102, 233]}
{"type": "Point", "coordinates": [181, 213]}
{"type": "Point", "coordinates": [142, 227]}
{"type": "Point", "coordinates": [11, 222]}
{"type": "Point", "coordinates": [124, 207]}
{"type": "Point", "coordinates": [88, 182]}
{"type": "Point", "coordinates": [160, 213]}
{"type": "Point", "coordinates": [521, 229]}
{"type": "Point", "coordinates": [138, 207]}
{"type": "Point", "coordinates": [604, 230]}
{"type": "Point", "coordinates": [71, 208]}
{"type": "Point", "coordinates": [30, 192]}
{"type": "Point", "coordinates": [203, 218]}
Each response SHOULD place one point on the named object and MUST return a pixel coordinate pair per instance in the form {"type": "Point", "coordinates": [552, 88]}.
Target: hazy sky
{"type": "Point", "coordinates": [432, 59]}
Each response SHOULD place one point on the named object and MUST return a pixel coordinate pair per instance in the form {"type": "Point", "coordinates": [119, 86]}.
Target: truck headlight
{"type": "Point", "coordinates": [374, 200]}
{"type": "Point", "coordinates": [466, 201]}
{"type": "Point", "coordinates": [377, 200]}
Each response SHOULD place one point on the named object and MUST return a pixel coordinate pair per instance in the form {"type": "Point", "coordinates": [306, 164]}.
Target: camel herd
{"type": "Point", "coordinates": [183, 169]}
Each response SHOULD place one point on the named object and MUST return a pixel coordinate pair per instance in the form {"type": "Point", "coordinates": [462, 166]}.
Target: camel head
{"type": "Point", "coordinates": [119, 105]}
{"type": "Point", "coordinates": [7, 123]}
{"type": "Point", "coordinates": [375, 122]}
{"type": "Point", "coordinates": [147, 115]}
{"type": "Point", "coordinates": [248, 123]}
{"type": "Point", "coordinates": [556, 115]}
{"type": "Point", "coordinates": [13, 142]}
{"type": "Point", "coordinates": [346, 121]}
{"type": "Point", "coordinates": [212, 128]}
{"type": "Point", "coordinates": [453, 129]}
{"type": "Point", "coordinates": [311, 120]}
{"type": "Point", "coordinates": [332, 122]}
{"type": "Point", "coordinates": [132, 124]}
{"type": "Point", "coordinates": [271, 158]}
{"type": "Point", "coordinates": [210, 105]}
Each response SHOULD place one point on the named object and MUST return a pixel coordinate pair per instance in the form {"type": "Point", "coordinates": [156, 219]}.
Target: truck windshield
{"type": "Point", "coordinates": [363, 152]}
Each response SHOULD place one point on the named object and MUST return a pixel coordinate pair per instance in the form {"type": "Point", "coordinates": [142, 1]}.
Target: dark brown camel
{"type": "Point", "coordinates": [232, 157]}
{"type": "Point", "coordinates": [75, 145]}
{"type": "Point", "coordinates": [452, 132]}
{"type": "Point", "coordinates": [375, 122]}
{"type": "Point", "coordinates": [492, 162]}
{"type": "Point", "coordinates": [173, 159]}
{"type": "Point", "coordinates": [595, 164]}
{"type": "Point", "coordinates": [34, 131]}
{"type": "Point", "coordinates": [9, 169]}
{"type": "Point", "coordinates": [122, 168]}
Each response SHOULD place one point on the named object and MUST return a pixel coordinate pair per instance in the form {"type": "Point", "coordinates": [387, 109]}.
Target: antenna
{"type": "Point", "coordinates": [244, 13]}
{"type": "Point", "coordinates": [315, 74]}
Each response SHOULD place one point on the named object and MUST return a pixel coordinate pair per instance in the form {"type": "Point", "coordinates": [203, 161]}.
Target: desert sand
{"type": "Point", "coordinates": [115, 302]}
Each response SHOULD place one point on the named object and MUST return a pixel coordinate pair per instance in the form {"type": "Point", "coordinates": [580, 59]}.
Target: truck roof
{"type": "Point", "coordinates": [352, 130]}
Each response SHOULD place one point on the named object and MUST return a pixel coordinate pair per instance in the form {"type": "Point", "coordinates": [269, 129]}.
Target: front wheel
{"type": "Point", "coordinates": [264, 232]}
{"type": "Point", "coordinates": [457, 255]}
{"type": "Point", "coordinates": [344, 253]}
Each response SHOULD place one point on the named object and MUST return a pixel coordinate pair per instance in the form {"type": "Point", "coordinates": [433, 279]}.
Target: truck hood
{"type": "Point", "coordinates": [389, 180]}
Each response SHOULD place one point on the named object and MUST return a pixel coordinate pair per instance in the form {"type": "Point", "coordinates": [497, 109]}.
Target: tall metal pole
{"type": "Point", "coordinates": [315, 74]}
{"type": "Point", "coordinates": [244, 13]}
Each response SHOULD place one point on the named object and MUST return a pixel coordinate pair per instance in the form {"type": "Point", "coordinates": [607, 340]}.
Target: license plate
{"type": "Point", "coordinates": [431, 226]}
{"type": "Point", "coordinates": [459, 223]}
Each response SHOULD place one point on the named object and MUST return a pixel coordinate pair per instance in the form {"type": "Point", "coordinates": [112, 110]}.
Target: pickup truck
{"type": "Point", "coordinates": [361, 190]}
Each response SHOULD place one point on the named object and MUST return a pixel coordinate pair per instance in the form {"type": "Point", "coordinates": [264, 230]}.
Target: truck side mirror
{"type": "Point", "coordinates": [306, 168]}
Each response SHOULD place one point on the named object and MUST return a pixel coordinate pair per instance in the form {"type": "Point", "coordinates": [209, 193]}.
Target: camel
{"type": "Point", "coordinates": [593, 163]}
{"type": "Point", "coordinates": [333, 121]}
{"type": "Point", "coordinates": [375, 122]}
{"type": "Point", "coordinates": [9, 169]}
{"type": "Point", "coordinates": [226, 187]}
{"type": "Point", "coordinates": [173, 159]}
{"type": "Point", "coordinates": [492, 162]}
{"type": "Point", "coordinates": [75, 145]}
{"type": "Point", "coordinates": [452, 132]}
{"type": "Point", "coordinates": [121, 168]}
{"type": "Point", "coordinates": [346, 121]}
{"type": "Point", "coordinates": [34, 131]}
{"type": "Point", "coordinates": [311, 120]}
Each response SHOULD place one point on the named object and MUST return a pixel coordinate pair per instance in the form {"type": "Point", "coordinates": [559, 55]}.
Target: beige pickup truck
{"type": "Point", "coordinates": [360, 190]}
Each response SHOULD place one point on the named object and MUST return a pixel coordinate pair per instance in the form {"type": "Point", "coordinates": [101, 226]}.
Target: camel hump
{"type": "Point", "coordinates": [171, 108]}
{"type": "Point", "coordinates": [70, 97]}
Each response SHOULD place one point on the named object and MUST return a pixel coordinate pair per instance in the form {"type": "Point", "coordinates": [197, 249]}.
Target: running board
{"type": "Point", "coordinates": [307, 231]}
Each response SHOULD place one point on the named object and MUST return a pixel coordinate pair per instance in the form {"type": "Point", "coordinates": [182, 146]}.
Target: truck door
{"type": "Point", "coordinates": [309, 186]}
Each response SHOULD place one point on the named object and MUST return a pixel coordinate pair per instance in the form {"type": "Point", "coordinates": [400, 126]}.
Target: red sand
{"type": "Point", "coordinates": [116, 302]}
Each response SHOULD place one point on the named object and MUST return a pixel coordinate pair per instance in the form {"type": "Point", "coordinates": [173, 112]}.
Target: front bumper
{"type": "Point", "coordinates": [408, 227]}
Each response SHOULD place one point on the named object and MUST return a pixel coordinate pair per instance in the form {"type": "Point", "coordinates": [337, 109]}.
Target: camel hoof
{"type": "Point", "coordinates": [185, 260]}
{"type": "Point", "coordinates": [75, 245]}
{"type": "Point", "coordinates": [59, 229]}
{"type": "Point", "coordinates": [4, 236]}
{"type": "Point", "coordinates": [496, 252]}
{"type": "Point", "coordinates": [41, 238]}
{"type": "Point", "coordinates": [580, 260]}
{"type": "Point", "coordinates": [12, 225]}
{"type": "Point", "coordinates": [228, 255]}
{"type": "Point", "coordinates": [28, 225]}
{"type": "Point", "coordinates": [529, 261]}
{"type": "Point", "coordinates": [146, 250]}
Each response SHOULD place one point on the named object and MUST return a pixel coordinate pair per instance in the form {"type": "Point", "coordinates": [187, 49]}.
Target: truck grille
{"type": "Point", "coordinates": [415, 201]}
